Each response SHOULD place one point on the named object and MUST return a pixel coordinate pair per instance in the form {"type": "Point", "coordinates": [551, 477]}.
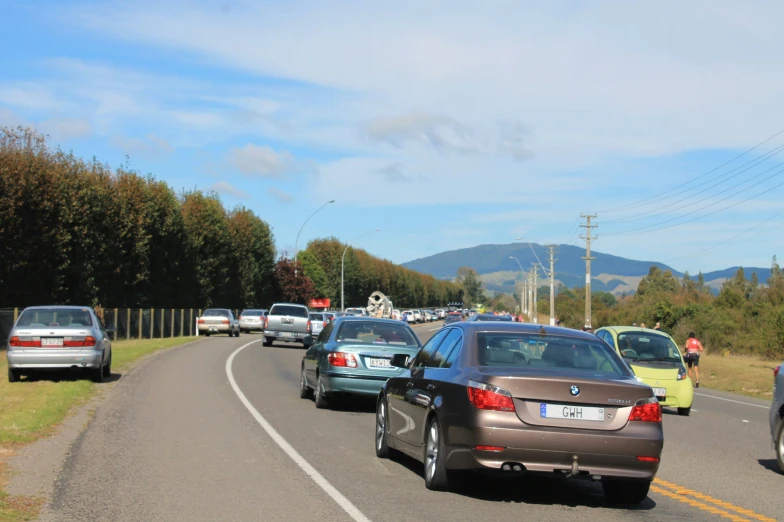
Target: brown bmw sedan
{"type": "Point", "coordinates": [521, 398]}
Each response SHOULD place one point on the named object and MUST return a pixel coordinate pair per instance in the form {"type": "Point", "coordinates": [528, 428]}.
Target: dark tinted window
{"type": "Point", "coordinates": [454, 354]}
{"type": "Point", "coordinates": [324, 334]}
{"type": "Point", "coordinates": [316, 317]}
{"type": "Point", "coordinates": [439, 358]}
{"type": "Point", "coordinates": [529, 350]}
{"type": "Point", "coordinates": [252, 313]}
{"type": "Point", "coordinates": [429, 349]}
{"type": "Point", "coordinates": [376, 332]}
{"type": "Point", "coordinates": [55, 317]}
{"type": "Point", "coordinates": [215, 313]}
{"type": "Point", "coordinates": [291, 310]}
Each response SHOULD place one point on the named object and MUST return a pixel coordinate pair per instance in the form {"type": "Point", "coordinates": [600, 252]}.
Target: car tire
{"type": "Point", "coordinates": [267, 342]}
{"type": "Point", "coordinates": [206, 334]}
{"type": "Point", "coordinates": [780, 445]}
{"type": "Point", "coordinates": [319, 395]}
{"type": "Point", "coordinates": [107, 369]}
{"type": "Point", "coordinates": [625, 492]}
{"type": "Point", "coordinates": [684, 411]}
{"type": "Point", "coordinates": [97, 374]}
{"type": "Point", "coordinates": [304, 390]}
{"type": "Point", "coordinates": [382, 447]}
{"type": "Point", "coordinates": [436, 475]}
{"type": "Point", "coordinates": [13, 375]}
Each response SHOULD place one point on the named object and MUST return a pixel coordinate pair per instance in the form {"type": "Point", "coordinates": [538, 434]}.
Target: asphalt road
{"type": "Point", "coordinates": [190, 437]}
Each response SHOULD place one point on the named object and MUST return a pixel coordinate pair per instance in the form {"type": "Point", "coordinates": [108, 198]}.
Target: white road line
{"type": "Point", "coordinates": [328, 488]}
{"type": "Point", "coordinates": [732, 400]}
{"type": "Point", "coordinates": [434, 329]}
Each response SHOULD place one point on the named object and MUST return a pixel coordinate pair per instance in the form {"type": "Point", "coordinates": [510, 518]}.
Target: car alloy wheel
{"type": "Point", "coordinates": [304, 391]}
{"type": "Point", "coordinates": [431, 451]}
{"type": "Point", "coordinates": [780, 445]}
{"type": "Point", "coordinates": [320, 399]}
{"type": "Point", "coordinates": [382, 449]}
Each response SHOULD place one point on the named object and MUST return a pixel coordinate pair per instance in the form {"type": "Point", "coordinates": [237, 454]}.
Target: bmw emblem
{"type": "Point", "coordinates": [575, 390]}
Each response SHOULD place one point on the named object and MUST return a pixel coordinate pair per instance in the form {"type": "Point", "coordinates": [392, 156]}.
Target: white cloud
{"type": "Point", "coordinates": [149, 147]}
{"type": "Point", "coordinates": [224, 187]}
{"type": "Point", "coordinates": [261, 160]}
{"type": "Point", "coordinates": [66, 128]}
{"type": "Point", "coordinates": [280, 196]}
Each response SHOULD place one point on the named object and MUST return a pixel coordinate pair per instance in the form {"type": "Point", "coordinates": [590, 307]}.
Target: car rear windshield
{"type": "Point", "coordinates": [253, 313]}
{"type": "Point", "coordinates": [376, 332]}
{"type": "Point", "coordinates": [487, 317]}
{"type": "Point", "coordinates": [317, 317]}
{"type": "Point", "coordinates": [642, 346]}
{"type": "Point", "coordinates": [55, 317]}
{"type": "Point", "coordinates": [293, 311]}
{"type": "Point", "coordinates": [551, 352]}
{"type": "Point", "coordinates": [215, 313]}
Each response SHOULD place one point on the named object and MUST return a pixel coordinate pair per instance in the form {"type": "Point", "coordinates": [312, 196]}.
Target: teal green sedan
{"type": "Point", "coordinates": [352, 356]}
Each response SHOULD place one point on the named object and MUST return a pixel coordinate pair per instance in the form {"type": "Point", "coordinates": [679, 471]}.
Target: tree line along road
{"type": "Point", "coordinates": [189, 437]}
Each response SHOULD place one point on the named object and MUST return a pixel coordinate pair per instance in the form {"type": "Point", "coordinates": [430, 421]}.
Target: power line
{"type": "Point", "coordinates": [726, 241]}
{"type": "Point", "coordinates": [758, 161]}
{"type": "Point", "coordinates": [725, 190]}
{"type": "Point", "coordinates": [698, 217]}
{"type": "Point", "coordinates": [639, 202]}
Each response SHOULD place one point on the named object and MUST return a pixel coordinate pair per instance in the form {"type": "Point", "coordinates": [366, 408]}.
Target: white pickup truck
{"type": "Point", "coordinates": [287, 322]}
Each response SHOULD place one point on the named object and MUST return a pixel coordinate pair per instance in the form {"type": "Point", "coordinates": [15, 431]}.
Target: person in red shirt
{"type": "Point", "coordinates": [693, 350]}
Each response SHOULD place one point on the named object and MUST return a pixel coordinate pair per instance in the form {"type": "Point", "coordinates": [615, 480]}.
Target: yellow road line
{"type": "Point", "coordinates": [699, 505]}
{"type": "Point", "coordinates": [679, 490]}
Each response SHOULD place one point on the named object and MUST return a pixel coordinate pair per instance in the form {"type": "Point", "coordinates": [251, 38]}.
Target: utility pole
{"type": "Point", "coordinates": [587, 226]}
{"type": "Point", "coordinates": [524, 297]}
{"type": "Point", "coordinates": [530, 307]}
{"type": "Point", "coordinates": [536, 305]}
{"type": "Point", "coordinates": [552, 285]}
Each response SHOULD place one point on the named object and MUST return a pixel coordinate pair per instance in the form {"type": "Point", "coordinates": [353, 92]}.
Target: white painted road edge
{"type": "Point", "coordinates": [328, 488]}
{"type": "Point", "coordinates": [732, 400]}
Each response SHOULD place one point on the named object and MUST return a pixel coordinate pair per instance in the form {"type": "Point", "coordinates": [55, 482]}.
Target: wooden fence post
{"type": "Point", "coordinates": [128, 328]}
{"type": "Point", "coordinates": [141, 318]}
{"type": "Point", "coordinates": [182, 325]}
{"type": "Point", "coordinates": [172, 322]}
{"type": "Point", "coordinates": [16, 314]}
{"type": "Point", "coordinates": [152, 323]}
{"type": "Point", "coordinates": [115, 325]}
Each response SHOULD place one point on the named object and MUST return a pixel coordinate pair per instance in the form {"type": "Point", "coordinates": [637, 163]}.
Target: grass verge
{"type": "Point", "coordinates": [744, 375]}
{"type": "Point", "coordinates": [32, 410]}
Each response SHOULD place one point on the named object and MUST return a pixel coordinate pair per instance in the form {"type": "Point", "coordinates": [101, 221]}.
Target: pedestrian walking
{"type": "Point", "coordinates": [693, 350]}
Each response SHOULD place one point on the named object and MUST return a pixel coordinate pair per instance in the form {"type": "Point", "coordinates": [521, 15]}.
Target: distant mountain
{"type": "Point", "coordinates": [609, 273]}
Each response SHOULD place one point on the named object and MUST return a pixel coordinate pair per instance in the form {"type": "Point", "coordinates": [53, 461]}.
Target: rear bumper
{"type": "Point", "coordinates": [20, 360]}
{"type": "Point", "coordinates": [680, 394]}
{"type": "Point", "coordinates": [360, 385]}
{"type": "Point", "coordinates": [214, 328]}
{"type": "Point", "coordinates": [296, 337]}
{"type": "Point", "coordinates": [245, 325]}
{"type": "Point", "coordinates": [552, 450]}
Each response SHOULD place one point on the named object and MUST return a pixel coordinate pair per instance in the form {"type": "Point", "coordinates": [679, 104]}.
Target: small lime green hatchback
{"type": "Point", "coordinates": [656, 360]}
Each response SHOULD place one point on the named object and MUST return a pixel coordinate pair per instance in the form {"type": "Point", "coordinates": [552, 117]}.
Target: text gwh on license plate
{"type": "Point", "coordinates": [561, 411]}
{"type": "Point", "coordinates": [379, 363]}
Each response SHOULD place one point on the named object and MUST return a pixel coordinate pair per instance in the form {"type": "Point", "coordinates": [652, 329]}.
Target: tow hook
{"type": "Point", "coordinates": [574, 471]}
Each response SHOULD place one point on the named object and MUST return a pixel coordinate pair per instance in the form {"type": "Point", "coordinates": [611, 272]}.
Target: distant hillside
{"type": "Point", "coordinates": [499, 273]}
{"type": "Point", "coordinates": [494, 258]}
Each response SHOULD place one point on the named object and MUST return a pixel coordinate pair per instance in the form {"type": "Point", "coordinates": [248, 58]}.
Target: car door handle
{"type": "Point", "coordinates": [410, 384]}
{"type": "Point", "coordinates": [431, 387]}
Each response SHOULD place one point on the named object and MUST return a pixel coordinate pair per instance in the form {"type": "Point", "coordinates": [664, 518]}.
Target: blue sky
{"type": "Point", "coordinates": [445, 124]}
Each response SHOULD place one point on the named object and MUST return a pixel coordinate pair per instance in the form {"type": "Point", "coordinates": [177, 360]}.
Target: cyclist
{"type": "Point", "coordinates": [693, 350]}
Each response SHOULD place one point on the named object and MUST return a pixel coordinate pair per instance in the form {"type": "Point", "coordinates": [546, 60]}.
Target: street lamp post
{"type": "Point", "coordinates": [522, 294]}
{"type": "Point", "coordinates": [343, 268]}
{"type": "Point", "coordinates": [296, 242]}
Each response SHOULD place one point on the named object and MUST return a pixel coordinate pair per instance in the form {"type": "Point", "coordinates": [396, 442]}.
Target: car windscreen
{"type": "Point", "coordinates": [55, 317]}
{"type": "Point", "coordinates": [643, 346]}
{"type": "Point", "coordinates": [252, 313]}
{"type": "Point", "coordinates": [293, 311]}
{"type": "Point", "coordinates": [515, 350]}
{"type": "Point", "coordinates": [375, 332]}
{"type": "Point", "coordinates": [215, 313]}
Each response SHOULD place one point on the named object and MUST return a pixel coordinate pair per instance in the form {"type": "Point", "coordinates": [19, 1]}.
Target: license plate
{"type": "Point", "coordinates": [52, 341]}
{"type": "Point", "coordinates": [561, 411]}
{"type": "Point", "coordinates": [660, 392]}
{"type": "Point", "coordinates": [285, 334]}
{"type": "Point", "coordinates": [379, 363]}
{"type": "Point", "coordinates": [213, 328]}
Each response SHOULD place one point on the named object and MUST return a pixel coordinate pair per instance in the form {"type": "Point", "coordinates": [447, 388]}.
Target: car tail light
{"type": "Point", "coordinates": [266, 321]}
{"type": "Point", "coordinates": [490, 448]}
{"type": "Point", "coordinates": [486, 397]}
{"type": "Point", "coordinates": [87, 341]}
{"type": "Point", "coordinates": [646, 410]}
{"type": "Point", "coordinates": [309, 330]}
{"type": "Point", "coordinates": [648, 459]}
{"type": "Point", "coordinates": [325, 324]}
{"type": "Point", "coordinates": [16, 342]}
{"type": "Point", "coordinates": [776, 371]}
{"type": "Point", "coordinates": [224, 321]}
{"type": "Point", "coordinates": [201, 321]}
{"type": "Point", "coordinates": [344, 360]}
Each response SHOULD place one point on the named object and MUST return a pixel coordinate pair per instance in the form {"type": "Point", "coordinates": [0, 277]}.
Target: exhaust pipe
{"type": "Point", "coordinates": [515, 467]}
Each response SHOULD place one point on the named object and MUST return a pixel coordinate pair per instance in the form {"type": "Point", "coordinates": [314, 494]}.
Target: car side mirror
{"type": "Point", "coordinates": [308, 340]}
{"type": "Point", "coordinates": [399, 360]}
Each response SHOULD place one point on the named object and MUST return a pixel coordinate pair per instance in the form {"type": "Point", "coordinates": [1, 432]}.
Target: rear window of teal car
{"type": "Point", "coordinates": [372, 332]}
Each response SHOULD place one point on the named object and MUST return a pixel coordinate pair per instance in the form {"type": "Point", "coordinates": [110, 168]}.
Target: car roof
{"type": "Point", "coordinates": [359, 318]}
{"type": "Point", "coordinates": [625, 329]}
{"type": "Point", "coordinates": [71, 307]}
{"type": "Point", "coordinates": [530, 328]}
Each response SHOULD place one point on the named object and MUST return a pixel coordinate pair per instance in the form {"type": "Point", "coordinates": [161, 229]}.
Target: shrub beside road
{"type": "Point", "coordinates": [32, 410]}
